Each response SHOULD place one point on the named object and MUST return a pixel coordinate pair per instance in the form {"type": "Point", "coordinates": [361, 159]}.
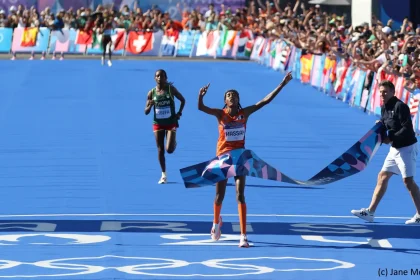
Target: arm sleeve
{"type": "Point", "coordinates": [405, 119]}
{"type": "Point", "coordinates": [382, 116]}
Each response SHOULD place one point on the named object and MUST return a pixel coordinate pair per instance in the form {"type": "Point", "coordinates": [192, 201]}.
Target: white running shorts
{"type": "Point", "coordinates": [402, 161]}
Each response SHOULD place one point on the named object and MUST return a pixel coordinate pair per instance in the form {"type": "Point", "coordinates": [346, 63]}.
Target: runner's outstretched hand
{"type": "Point", "coordinates": [204, 89]}
{"type": "Point", "coordinates": [287, 78]}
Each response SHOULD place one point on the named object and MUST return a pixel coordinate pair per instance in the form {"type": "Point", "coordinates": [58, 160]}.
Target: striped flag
{"type": "Point", "coordinates": [414, 104]}
{"type": "Point", "coordinates": [243, 43]}
{"type": "Point", "coordinates": [414, 107]}
{"type": "Point", "coordinates": [227, 41]}
{"type": "Point", "coordinates": [169, 40]}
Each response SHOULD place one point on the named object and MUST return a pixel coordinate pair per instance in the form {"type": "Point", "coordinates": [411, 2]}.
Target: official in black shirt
{"type": "Point", "coordinates": [401, 159]}
{"type": "Point", "coordinates": [396, 117]}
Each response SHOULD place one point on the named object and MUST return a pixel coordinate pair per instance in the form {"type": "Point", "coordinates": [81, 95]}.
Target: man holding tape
{"type": "Point", "coordinates": [402, 156]}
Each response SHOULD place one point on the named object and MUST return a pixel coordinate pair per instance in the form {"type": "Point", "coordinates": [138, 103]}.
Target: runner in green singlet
{"type": "Point", "coordinates": [165, 120]}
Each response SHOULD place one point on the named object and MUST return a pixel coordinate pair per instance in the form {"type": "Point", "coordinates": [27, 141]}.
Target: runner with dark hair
{"type": "Point", "coordinates": [232, 129]}
{"type": "Point", "coordinates": [165, 120]}
{"type": "Point", "coordinates": [106, 30]}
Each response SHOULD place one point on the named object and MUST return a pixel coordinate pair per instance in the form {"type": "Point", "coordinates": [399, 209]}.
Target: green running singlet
{"type": "Point", "coordinates": [164, 109]}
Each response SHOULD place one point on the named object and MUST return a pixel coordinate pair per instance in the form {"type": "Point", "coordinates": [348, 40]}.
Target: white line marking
{"type": "Point", "coordinates": [377, 243]}
{"type": "Point", "coordinates": [186, 215]}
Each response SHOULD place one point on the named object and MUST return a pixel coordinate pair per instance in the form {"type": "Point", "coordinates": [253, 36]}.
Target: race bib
{"type": "Point", "coordinates": [163, 112]}
{"type": "Point", "coordinates": [235, 133]}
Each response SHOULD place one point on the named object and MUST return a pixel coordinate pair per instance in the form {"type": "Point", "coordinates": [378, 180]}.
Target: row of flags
{"type": "Point", "coordinates": [138, 42]}
{"type": "Point", "coordinates": [336, 76]}
{"type": "Point", "coordinates": [210, 43]}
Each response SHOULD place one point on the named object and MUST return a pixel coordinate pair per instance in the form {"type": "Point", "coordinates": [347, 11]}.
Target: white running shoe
{"type": "Point", "coordinates": [414, 221]}
{"type": "Point", "coordinates": [109, 63]}
{"type": "Point", "coordinates": [162, 180]}
{"type": "Point", "coordinates": [243, 242]}
{"type": "Point", "coordinates": [216, 230]}
{"type": "Point", "coordinates": [364, 214]}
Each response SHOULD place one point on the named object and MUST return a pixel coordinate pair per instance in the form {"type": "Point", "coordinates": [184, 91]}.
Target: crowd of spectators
{"type": "Point", "coordinates": [377, 46]}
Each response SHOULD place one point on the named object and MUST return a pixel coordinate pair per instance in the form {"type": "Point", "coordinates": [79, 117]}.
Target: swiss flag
{"type": "Point", "coordinates": [139, 42]}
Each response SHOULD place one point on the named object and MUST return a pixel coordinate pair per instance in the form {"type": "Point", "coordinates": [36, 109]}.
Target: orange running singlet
{"type": "Point", "coordinates": [231, 132]}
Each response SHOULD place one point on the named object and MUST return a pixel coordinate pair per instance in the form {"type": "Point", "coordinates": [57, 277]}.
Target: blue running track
{"type": "Point", "coordinates": [79, 172]}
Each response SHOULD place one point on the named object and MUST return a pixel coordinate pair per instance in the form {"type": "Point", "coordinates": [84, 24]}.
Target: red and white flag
{"type": "Point", "coordinates": [140, 42]}
{"type": "Point", "coordinates": [208, 43]}
{"type": "Point", "coordinates": [414, 104]}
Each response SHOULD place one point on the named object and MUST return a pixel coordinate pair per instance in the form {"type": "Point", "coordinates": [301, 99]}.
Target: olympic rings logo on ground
{"type": "Point", "coordinates": [151, 266]}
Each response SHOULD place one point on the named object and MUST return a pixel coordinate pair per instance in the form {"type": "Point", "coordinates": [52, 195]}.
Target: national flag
{"type": "Point", "coordinates": [84, 37]}
{"type": "Point", "coordinates": [276, 55]}
{"type": "Point", "coordinates": [96, 40]}
{"type": "Point", "coordinates": [327, 65]}
{"type": "Point", "coordinates": [316, 71]}
{"type": "Point", "coordinates": [376, 101]}
{"type": "Point", "coordinates": [243, 39]}
{"type": "Point", "coordinates": [29, 37]}
{"type": "Point", "coordinates": [348, 97]}
{"type": "Point", "coordinates": [118, 39]}
{"type": "Point", "coordinates": [227, 41]}
{"type": "Point", "coordinates": [140, 42]}
{"type": "Point", "coordinates": [169, 42]}
{"type": "Point", "coordinates": [261, 48]}
{"type": "Point", "coordinates": [243, 43]}
{"type": "Point", "coordinates": [405, 96]}
{"type": "Point", "coordinates": [306, 65]}
{"type": "Point", "coordinates": [208, 43]}
{"type": "Point", "coordinates": [327, 72]}
{"type": "Point", "coordinates": [273, 53]}
{"type": "Point", "coordinates": [414, 107]}
{"type": "Point", "coordinates": [267, 49]}
{"type": "Point", "coordinates": [341, 73]}
{"type": "Point", "coordinates": [173, 33]}
{"type": "Point", "coordinates": [285, 57]}
{"type": "Point", "coordinates": [414, 104]}
{"type": "Point", "coordinates": [365, 96]}
{"type": "Point", "coordinates": [333, 72]}
{"type": "Point", "coordinates": [399, 86]}
{"type": "Point", "coordinates": [248, 48]}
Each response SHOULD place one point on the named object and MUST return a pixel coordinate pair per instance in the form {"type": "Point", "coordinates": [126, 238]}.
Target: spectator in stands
{"type": "Point", "coordinates": [210, 18]}
{"type": "Point", "coordinates": [58, 22]}
{"type": "Point", "coordinates": [379, 47]}
{"type": "Point", "coordinates": [3, 19]}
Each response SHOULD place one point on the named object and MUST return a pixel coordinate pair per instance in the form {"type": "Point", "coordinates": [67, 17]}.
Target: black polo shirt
{"type": "Point", "coordinates": [395, 115]}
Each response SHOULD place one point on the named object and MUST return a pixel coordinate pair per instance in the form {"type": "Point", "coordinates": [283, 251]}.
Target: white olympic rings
{"type": "Point", "coordinates": [75, 266]}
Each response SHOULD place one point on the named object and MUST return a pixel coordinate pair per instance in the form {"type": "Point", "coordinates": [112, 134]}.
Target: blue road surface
{"type": "Point", "coordinates": [79, 172]}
